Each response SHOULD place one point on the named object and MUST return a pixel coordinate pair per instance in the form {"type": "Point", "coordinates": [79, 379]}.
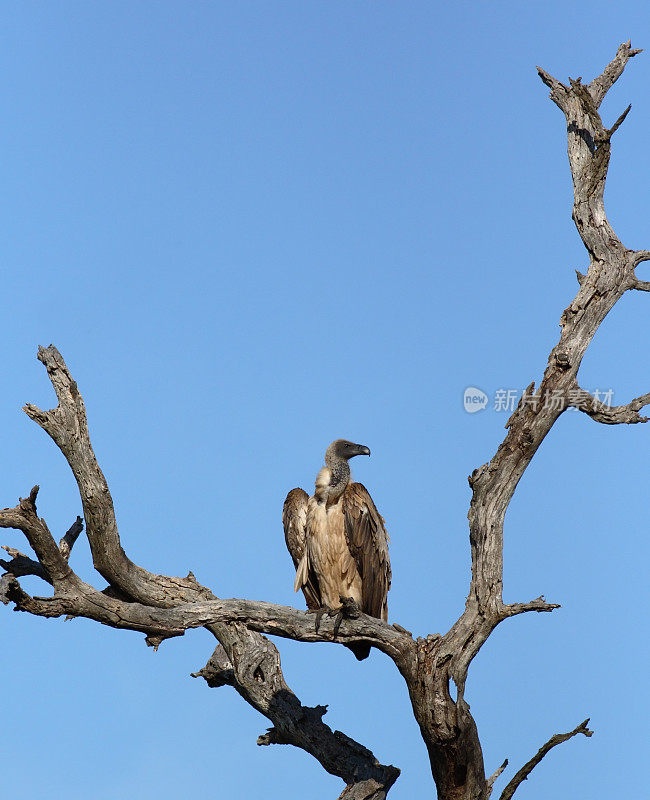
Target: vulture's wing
{"type": "Point", "coordinates": [294, 519]}
{"type": "Point", "coordinates": [367, 539]}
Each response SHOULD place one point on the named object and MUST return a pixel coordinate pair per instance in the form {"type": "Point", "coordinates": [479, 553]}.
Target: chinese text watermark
{"type": "Point", "coordinates": [507, 400]}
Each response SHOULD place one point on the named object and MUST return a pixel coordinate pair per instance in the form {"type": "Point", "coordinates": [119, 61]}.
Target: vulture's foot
{"type": "Point", "coordinates": [337, 622]}
{"type": "Point", "coordinates": [320, 613]}
{"type": "Point", "coordinates": [350, 608]}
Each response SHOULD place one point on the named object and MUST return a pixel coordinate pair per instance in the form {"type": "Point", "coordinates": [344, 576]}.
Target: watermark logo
{"type": "Point", "coordinates": [507, 400]}
{"type": "Point", "coordinates": [474, 400]}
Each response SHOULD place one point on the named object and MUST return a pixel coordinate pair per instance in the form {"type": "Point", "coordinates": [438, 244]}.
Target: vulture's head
{"type": "Point", "coordinates": [341, 448]}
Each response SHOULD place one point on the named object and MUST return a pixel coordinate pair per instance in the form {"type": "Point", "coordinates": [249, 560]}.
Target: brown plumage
{"type": "Point", "coordinates": [338, 541]}
{"type": "Point", "coordinates": [294, 519]}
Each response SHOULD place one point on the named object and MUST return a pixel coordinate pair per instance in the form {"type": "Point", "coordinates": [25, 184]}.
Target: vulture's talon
{"type": "Point", "coordinates": [350, 608]}
{"type": "Point", "coordinates": [320, 612]}
{"type": "Point", "coordinates": [337, 622]}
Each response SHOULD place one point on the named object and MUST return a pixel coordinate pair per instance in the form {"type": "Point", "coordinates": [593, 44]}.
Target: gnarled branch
{"type": "Point", "coordinates": [162, 606]}
{"type": "Point", "coordinates": [75, 598]}
{"type": "Point", "coordinates": [338, 754]}
{"type": "Point", "coordinates": [449, 727]}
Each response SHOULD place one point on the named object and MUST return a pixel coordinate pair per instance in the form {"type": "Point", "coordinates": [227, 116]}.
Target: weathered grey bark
{"type": "Point", "coordinates": [162, 606]}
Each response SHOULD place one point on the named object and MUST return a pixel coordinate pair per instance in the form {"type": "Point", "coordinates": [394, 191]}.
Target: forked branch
{"type": "Point", "coordinates": [610, 274]}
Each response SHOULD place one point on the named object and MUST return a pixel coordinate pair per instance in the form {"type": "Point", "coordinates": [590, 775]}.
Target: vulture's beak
{"type": "Point", "coordinates": [363, 450]}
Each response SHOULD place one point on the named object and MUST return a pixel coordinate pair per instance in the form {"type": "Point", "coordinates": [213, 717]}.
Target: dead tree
{"type": "Point", "coordinates": [161, 606]}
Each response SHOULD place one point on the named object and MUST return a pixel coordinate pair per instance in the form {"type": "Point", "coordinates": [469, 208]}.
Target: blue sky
{"type": "Point", "coordinates": [252, 228]}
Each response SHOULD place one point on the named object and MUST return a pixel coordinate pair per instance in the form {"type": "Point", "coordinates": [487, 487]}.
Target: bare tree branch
{"type": "Point", "coordinates": [539, 605]}
{"type": "Point", "coordinates": [162, 606]}
{"type": "Point", "coordinates": [24, 518]}
{"type": "Point", "coordinates": [558, 90]}
{"type": "Point", "coordinates": [75, 598]}
{"type": "Point", "coordinates": [447, 726]}
{"type": "Point", "coordinates": [599, 87]}
{"type": "Point", "coordinates": [627, 414]}
{"type": "Point", "coordinates": [67, 542]}
{"type": "Point", "coordinates": [611, 131]}
{"type": "Point", "coordinates": [68, 427]}
{"type": "Point", "coordinates": [606, 280]}
{"type": "Point", "coordinates": [21, 564]}
{"type": "Point", "coordinates": [338, 754]}
{"type": "Point", "coordinates": [641, 255]}
{"type": "Point", "coordinates": [528, 767]}
{"type": "Point", "coordinates": [495, 775]}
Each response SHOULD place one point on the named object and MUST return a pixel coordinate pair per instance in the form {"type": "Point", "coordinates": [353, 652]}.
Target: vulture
{"type": "Point", "coordinates": [338, 541]}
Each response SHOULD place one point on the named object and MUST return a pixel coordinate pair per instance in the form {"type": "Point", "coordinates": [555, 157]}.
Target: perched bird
{"type": "Point", "coordinates": [338, 541]}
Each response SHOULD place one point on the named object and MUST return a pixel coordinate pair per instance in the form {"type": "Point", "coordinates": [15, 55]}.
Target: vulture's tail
{"type": "Point", "coordinates": [360, 651]}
